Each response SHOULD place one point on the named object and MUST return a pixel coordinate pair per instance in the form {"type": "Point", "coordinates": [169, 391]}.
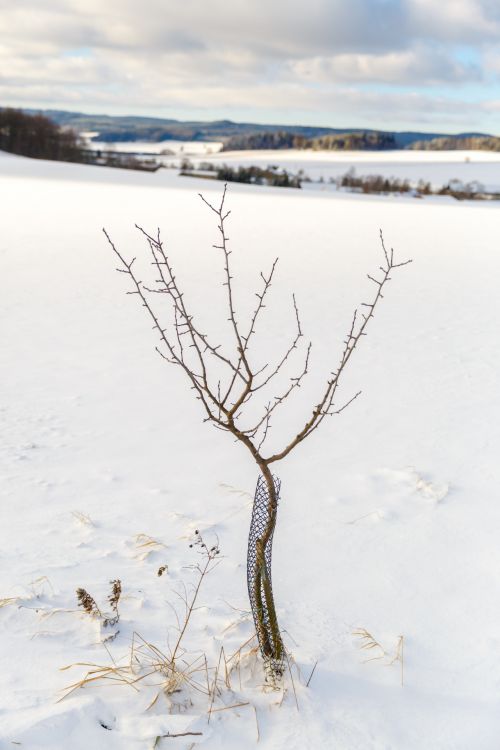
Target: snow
{"type": "Point", "coordinates": [438, 167]}
{"type": "Point", "coordinates": [179, 148]}
{"type": "Point", "coordinates": [389, 512]}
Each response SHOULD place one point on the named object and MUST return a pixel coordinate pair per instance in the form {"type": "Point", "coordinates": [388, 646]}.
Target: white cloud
{"type": "Point", "coordinates": [423, 65]}
{"type": "Point", "coordinates": [462, 21]}
{"type": "Point", "coordinates": [247, 53]}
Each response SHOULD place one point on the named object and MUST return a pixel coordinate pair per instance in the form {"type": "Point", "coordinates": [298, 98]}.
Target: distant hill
{"type": "Point", "coordinates": [154, 129]}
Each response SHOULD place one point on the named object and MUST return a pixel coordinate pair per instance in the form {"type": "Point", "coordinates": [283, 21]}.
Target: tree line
{"type": "Point", "coordinates": [454, 143]}
{"type": "Point", "coordinates": [282, 139]}
{"type": "Point", "coordinates": [253, 175]}
{"type": "Point", "coordinates": [38, 137]}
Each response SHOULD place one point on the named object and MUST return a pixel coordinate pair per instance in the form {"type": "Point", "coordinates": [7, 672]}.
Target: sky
{"type": "Point", "coordinates": [431, 65]}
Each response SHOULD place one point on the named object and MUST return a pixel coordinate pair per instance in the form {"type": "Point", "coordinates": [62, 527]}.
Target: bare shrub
{"type": "Point", "coordinates": [226, 382]}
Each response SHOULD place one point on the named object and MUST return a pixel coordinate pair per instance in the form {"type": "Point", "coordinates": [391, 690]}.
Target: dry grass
{"type": "Point", "coordinates": [173, 670]}
{"type": "Point", "coordinates": [36, 591]}
{"type": "Point", "coordinates": [146, 545]}
{"type": "Point", "coordinates": [399, 657]}
{"type": "Point", "coordinates": [181, 678]}
{"type": "Point", "coordinates": [112, 674]}
{"type": "Point", "coordinates": [369, 643]}
{"type": "Point", "coordinates": [82, 518]}
{"type": "Point", "coordinates": [180, 734]}
{"type": "Point", "coordinates": [9, 600]}
{"type": "Point", "coordinates": [179, 681]}
{"type": "Point", "coordinates": [173, 675]}
{"type": "Point", "coordinates": [311, 675]}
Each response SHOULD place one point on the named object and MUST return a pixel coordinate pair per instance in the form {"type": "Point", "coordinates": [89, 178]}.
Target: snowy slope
{"type": "Point", "coordinates": [389, 512]}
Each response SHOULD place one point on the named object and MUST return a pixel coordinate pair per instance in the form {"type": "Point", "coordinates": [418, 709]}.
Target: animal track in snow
{"type": "Point", "coordinates": [411, 480]}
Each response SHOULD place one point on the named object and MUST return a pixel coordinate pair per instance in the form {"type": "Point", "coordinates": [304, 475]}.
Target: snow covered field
{"type": "Point", "coordinates": [182, 148]}
{"type": "Point", "coordinates": [436, 167]}
{"type": "Point", "coordinates": [389, 516]}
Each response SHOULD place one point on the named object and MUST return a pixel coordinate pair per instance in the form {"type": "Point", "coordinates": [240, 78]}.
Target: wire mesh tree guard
{"type": "Point", "coordinates": [259, 558]}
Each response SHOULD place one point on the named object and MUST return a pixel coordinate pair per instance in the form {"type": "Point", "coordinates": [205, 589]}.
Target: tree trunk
{"type": "Point", "coordinates": [259, 572]}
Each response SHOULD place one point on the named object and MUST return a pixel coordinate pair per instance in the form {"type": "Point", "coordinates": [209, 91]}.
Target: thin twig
{"type": "Point", "coordinates": [311, 675]}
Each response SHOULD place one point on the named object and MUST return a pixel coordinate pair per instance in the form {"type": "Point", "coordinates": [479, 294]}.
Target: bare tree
{"type": "Point", "coordinates": [226, 383]}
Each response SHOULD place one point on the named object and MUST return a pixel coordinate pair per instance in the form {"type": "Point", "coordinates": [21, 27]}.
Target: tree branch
{"type": "Point", "coordinates": [186, 346]}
